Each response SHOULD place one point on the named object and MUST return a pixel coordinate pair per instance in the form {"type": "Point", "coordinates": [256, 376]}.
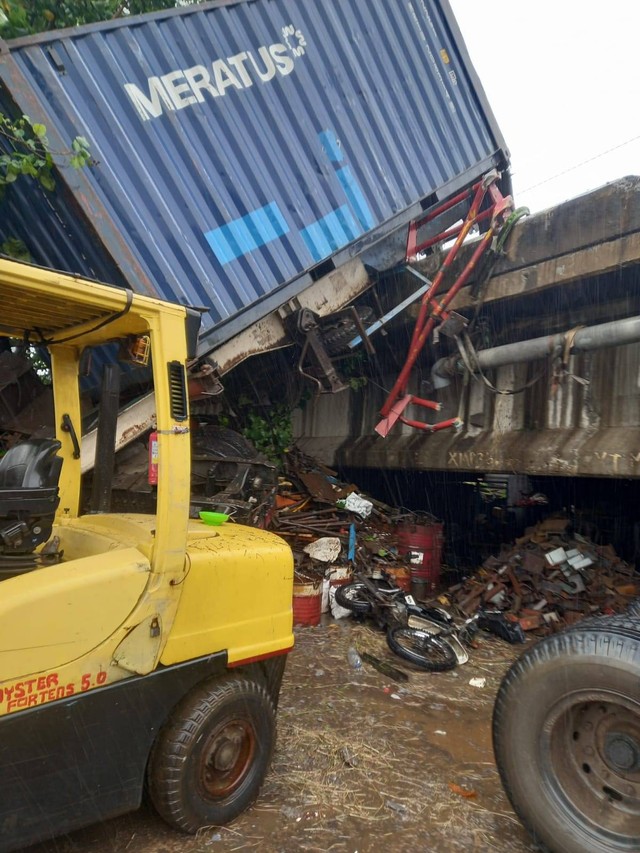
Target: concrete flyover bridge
{"type": "Point", "coordinates": [558, 323]}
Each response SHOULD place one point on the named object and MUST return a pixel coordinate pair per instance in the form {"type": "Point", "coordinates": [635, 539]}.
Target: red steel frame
{"type": "Point", "coordinates": [432, 311]}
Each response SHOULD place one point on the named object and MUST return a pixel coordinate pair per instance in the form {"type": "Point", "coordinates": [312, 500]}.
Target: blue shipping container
{"type": "Point", "coordinates": [245, 148]}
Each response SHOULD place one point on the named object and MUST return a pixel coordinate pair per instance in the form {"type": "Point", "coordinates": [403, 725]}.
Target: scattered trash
{"type": "Point", "coordinates": [349, 758]}
{"type": "Point", "coordinates": [384, 667]}
{"type": "Point", "coordinates": [293, 813]}
{"type": "Point", "coordinates": [326, 549]}
{"type": "Point", "coordinates": [467, 793]}
{"type": "Point", "coordinates": [333, 529]}
{"type": "Point", "coordinates": [478, 682]}
{"type": "Point", "coordinates": [357, 504]}
{"type": "Point", "coordinates": [400, 808]}
{"type": "Point", "coordinates": [354, 658]}
{"type": "Point", "coordinates": [337, 611]}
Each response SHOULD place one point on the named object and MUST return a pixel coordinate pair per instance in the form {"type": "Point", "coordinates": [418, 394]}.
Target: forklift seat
{"type": "Point", "coordinates": [29, 475]}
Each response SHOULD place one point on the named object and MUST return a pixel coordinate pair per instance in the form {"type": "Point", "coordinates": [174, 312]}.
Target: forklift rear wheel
{"type": "Point", "coordinates": [209, 762]}
{"type": "Point", "coordinates": [566, 736]}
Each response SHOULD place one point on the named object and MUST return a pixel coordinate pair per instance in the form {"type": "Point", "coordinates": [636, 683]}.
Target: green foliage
{"type": "Point", "coordinates": [356, 382]}
{"type": "Point", "coordinates": [27, 152]}
{"type": "Point", "coordinates": [352, 369]}
{"type": "Point", "coordinates": [25, 17]}
{"type": "Point", "coordinates": [16, 249]}
{"type": "Point", "coordinates": [271, 435]}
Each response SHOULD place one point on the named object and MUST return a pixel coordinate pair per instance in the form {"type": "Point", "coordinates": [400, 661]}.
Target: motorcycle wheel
{"type": "Point", "coordinates": [428, 651]}
{"type": "Point", "coordinates": [354, 597]}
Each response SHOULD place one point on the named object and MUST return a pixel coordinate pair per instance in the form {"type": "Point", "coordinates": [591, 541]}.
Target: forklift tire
{"type": "Point", "coordinates": [566, 738]}
{"type": "Point", "coordinates": [209, 762]}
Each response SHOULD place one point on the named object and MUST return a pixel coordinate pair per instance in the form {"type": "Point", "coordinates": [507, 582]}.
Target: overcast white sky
{"type": "Point", "coordinates": [563, 80]}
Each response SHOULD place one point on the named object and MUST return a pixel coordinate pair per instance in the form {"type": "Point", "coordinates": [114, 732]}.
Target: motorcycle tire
{"type": "Point", "coordinates": [354, 597]}
{"type": "Point", "coordinates": [419, 647]}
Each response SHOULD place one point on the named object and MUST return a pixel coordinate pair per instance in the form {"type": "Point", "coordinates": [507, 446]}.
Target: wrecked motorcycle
{"type": "Point", "coordinates": [422, 635]}
{"type": "Point", "coordinates": [425, 635]}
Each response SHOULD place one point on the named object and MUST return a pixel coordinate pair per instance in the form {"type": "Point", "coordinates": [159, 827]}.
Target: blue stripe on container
{"type": "Point", "coordinates": [331, 146]}
{"type": "Point", "coordinates": [330, 233]}
{"type": "Point", "coordinates": [356, 197]}
{"type": "Point", "coordinates": [247, 233]}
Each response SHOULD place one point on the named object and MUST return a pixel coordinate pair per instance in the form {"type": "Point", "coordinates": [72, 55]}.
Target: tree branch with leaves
{"type": "Point", "coordinates": [26, 151]}
{"type": "Point", "coordinates": [24, 17]}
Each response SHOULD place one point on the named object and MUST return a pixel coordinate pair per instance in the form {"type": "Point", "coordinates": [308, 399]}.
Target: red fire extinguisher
{"type": "Point", "coordinates": [153, 459]}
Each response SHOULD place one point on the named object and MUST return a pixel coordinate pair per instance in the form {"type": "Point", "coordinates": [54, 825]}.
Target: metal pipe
{"type": "Point", "coordinates": [398, 308]}
{"type": "Point", "coordinates": [613, 334]}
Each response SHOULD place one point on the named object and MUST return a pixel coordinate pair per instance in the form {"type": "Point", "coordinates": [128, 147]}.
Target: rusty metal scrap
{"type": "Point", "coordinates": [302, 516]}
{"type": "Point", "coordinates": [549, 579]}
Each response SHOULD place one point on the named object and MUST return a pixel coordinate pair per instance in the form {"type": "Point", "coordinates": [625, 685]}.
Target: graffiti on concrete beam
{"type": "Point", "coordinates": [597, 462]}
{"type": "Point", "coordinates": [477, 459]}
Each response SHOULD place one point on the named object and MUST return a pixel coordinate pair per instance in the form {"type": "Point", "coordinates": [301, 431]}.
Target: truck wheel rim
{"type": "Point", "coordinates": [226, 758]}
{"type": "Point", "coordinates": [591, 747]}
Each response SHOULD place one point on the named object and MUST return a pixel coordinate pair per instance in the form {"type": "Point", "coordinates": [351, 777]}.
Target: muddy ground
{"type": "Point", "coordinates": [363, 763]}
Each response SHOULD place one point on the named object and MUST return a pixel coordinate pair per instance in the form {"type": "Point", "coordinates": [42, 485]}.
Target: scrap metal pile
{"type": "Point", "coordinates": [549, 579]}
{"type": "Point", "coordinates": [313, 507]}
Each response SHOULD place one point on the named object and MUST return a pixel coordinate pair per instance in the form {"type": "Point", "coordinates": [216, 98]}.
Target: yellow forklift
{"type": "Point", "coordinates": [137, 652]}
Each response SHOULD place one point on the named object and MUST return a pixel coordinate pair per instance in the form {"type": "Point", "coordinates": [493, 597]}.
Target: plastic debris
{"type": "Point", "coordinates": [355, 503]}
{"type": "Point", "coordinates": [354, 658]}
{"type": "Point", "coordinates": [384, 667]}
{"type": "Point", "coordinates": [349, 758]}
{"type": "Point", "coordinates": [400, 808]}
{"type": "Point", "coordinates": [467, 793]}
{"type": "Point", "coordinates": [326, 549]}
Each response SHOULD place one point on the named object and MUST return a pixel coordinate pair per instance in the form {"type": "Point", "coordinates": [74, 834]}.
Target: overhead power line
{"type": "Point", "coordinates": [582, 163]}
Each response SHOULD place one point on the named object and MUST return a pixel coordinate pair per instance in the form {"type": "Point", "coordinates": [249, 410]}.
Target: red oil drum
{"type": "Point", "coordinates": [422, 545]}
{"type": "Point", "coordinates": [307, 604]}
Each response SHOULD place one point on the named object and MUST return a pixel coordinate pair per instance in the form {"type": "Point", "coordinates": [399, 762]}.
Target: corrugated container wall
{"type": "Point", "coordinates": [240, 146]}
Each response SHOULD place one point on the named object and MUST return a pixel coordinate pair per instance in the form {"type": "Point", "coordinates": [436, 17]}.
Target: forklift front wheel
{"type": "Point", "coordinates": [208, 764]}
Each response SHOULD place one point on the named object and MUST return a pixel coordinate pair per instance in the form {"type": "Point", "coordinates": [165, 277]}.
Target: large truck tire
{"type": "Point", "coordinates": [620, 623]}
{"type": "Point", "coordinates": [566, 736]}
{"type": "Point", "coordinates": [210, 760]}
